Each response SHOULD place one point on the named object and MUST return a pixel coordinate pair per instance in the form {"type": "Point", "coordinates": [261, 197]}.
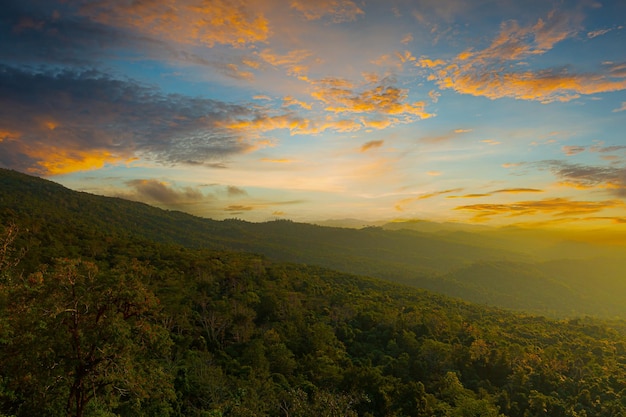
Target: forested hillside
{"type": "Point", "coordinates": [478, 267]}
{"type": "Point", "coordinates": [140, 328]}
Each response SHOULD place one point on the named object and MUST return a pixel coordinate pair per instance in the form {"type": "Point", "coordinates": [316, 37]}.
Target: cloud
{"type": "Point", "coordinates": [517, 190]}
{"type": "Point", "coordinates": [64, 121]}
{"type": "Point", "coordinates": [474, 195]}
{"type": "Point", "coordinates": [606, 149]}
{"type": "Point", "coordinates": [34, 32]}
{"type": "Point", "coordinates": [550, 206]}
{"type": "Point", "coordinates": [511, 164]}
{"type": "Point", "coordinates": [228, 22]}
{"type": "Point", "coordinates": [408, 38]}
{"type": "Point", "coordinates": [434, 95]}
{"type": "Point", "coordinates": [438, 193]}
{"type": "Point", "coordinates": [488, 72]}
{"type": "Point", "coordinates": [585, 176]}
{"type": "Point", "coordinates": [339, 97]}
{"type": "Point", "coordinates": [401, 205]}
{"type": "Point", "coordinates": [491, 142]}
{"type": "Point", "coordinates": [277, 160]}
{"type": "Point", "coordinates": [297, 125]}
{"type": "Point", "coordinates": [338, 10]}
{"type": "Point", "coordinates": [599, 32]}
{"type": "Point", "coordinates": [394, 60]}
{"type": "Point", "coordinates": [290, 101]}
{"type": "Point", "coordinates": [228, 69]}
{"type": "Point", "coordinates": [434, 173]}
{"type": "Point", "coordinates": [162, 193]}
{"type": "Point", "coordinates": [263, 122]}
{"type": "Point", "coordinates": [235, 191]}
{"type": "Point", "coordinates": [425, 62]}
{"type": "Point", "coordinates": [371, 145]}
{"type": "Point", "coordinates": [572, 150]}
{"type": "Point", "coordinates": [504, 191]}
{"type": "Point", "coordinates": [621, 108]}
{"type": "Point", "coordinates": [610, 158]}
{"type": "Point", "coordinates": [444, 137]}
{"type": "Point", "coordinates": [292, 61]}
{"type": "Point", "coordinates": [238, 208]}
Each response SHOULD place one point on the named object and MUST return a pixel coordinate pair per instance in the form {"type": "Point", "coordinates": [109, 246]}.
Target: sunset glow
{"type": "Point", "coordinates": [489, 112]}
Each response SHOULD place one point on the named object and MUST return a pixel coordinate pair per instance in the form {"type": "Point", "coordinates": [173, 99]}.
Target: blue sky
{"type": "Point", "coordinates": [491, 112]}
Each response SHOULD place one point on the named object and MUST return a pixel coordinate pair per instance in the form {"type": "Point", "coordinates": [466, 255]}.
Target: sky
{"type": "Point", "coordinates": [495, 112]}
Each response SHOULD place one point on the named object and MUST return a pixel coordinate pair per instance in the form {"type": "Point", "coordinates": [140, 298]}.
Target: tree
{"type": "Point", "coordinates": [80, 337]}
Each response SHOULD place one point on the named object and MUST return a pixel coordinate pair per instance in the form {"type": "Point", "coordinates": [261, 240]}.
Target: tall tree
{"type": "Point", "coordinates": [81, 337]}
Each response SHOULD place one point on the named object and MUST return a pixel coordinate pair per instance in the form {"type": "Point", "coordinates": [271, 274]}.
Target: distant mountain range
{"type": "Point", "coordinates": [534, 271]}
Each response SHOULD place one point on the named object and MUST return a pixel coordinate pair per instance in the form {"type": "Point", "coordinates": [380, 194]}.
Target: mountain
{"type": "Point", "coordinates": [473, 263]}
{"type": "Point", "coordinates": [124, 319]}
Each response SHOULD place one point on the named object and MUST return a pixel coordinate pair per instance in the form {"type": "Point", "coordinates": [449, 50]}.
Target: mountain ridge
{"type": "Point", "coordinates": [444, 262]}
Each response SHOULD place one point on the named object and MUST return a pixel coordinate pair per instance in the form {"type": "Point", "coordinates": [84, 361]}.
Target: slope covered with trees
{"type": "Point", "coordinates": [478, 267]}
{"type": "Point", "coordinates": [148, 329]}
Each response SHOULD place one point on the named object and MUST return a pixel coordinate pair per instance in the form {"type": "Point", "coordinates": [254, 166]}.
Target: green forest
{"type": "Point", "coordinates": [114, 308]}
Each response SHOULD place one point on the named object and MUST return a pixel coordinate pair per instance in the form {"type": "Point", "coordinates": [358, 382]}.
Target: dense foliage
{"type": "Point", "coordinates": [145, 329]}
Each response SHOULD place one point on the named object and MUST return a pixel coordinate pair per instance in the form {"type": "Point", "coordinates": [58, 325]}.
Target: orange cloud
{"type": "Point", "coordinates": [544, 86]}
{"type": "Point", "coordinates": [424, 62]}
{"type": "Point", "coordinates": [371, 145]}
{"type": "Point", "coordinates": [259, 205]}
{"type": "Point", "coordinates": [290, 101]}
{"type": "Point", "coordinates": [406, 56]}
{"type": "Point", "coordinates": [292, 61]}
{"type": "Point", "coordinates": [52, 160]}
{"type": "Point", "coordinates": [338, 10]}
{"type": "Point", "coordinates": [396, 59]}
{"type": "Point", "coordinates": [504, 190]}
{"type": "Point", "coordinates": [233, 71]}
{"type": "Point", "coordinates": [238, 208]}
{"type": "Point", "coordinates": [400, 205]}
{"type": "Point", "coordinates": [486, 72]}
{"type": "Point", "coordinates": [8, 135]}
{"type": "Point", "coordinates": [229, 22]}
{"type": "Point", "coordinates": [469, 196]}
{"type": "Point", "coordinates": [295, 124]}
{"type": "Point", "coordinates": [371, 77]}
{"type": "Point", "coordinates": [434, 95]}
{"type": "Point", "coordinates": [380, 99]}
{"type": "Point", "coordinates": [553, 206]}
{"type": "Point", "coordinates": [572, 150]}
{"type": "Point", "coordinates": [379, 123]}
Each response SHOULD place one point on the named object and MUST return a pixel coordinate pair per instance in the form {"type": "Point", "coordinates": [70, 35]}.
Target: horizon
{"type": "Point", "coordinates": [492, 113]}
